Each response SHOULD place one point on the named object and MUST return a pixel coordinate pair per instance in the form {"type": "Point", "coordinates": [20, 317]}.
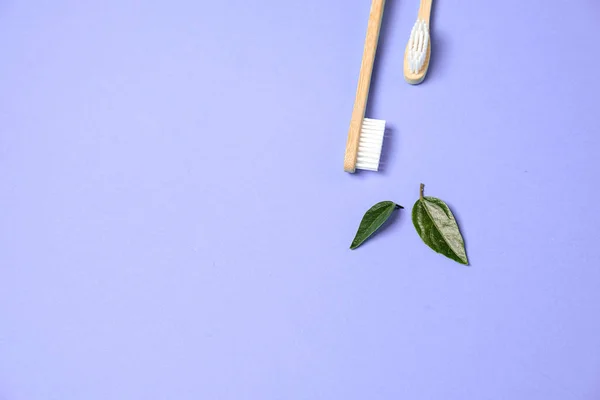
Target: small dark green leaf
{"type": "Point", "coordinates": [372, 220]}
{"type": "Point", "coordinates": [436, 225]}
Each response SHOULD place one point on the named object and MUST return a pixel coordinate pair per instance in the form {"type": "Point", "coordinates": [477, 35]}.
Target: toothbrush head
{"type": "Point", "coordinates": [365, 143]}
{"type": "Point", "coordinates": [370, 144]}
{"type": "Point", "coordinates": [417, 53]}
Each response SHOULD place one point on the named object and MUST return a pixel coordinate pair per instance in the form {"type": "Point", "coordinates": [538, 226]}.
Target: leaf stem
{"type": "Point", "coordinates": [421, 192]}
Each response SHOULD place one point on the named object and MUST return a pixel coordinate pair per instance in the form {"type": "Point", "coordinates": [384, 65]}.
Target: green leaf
{"type": "Point", "coordinates": [436, 225]}
{"type": "Point", "coordinates": [372, 220]}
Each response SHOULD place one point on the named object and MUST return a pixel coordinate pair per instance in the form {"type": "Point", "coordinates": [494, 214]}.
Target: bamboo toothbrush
{"type": "Point", "coordinates": [365, 137]}
{"type": "Point", "coordinates": [418, 48]}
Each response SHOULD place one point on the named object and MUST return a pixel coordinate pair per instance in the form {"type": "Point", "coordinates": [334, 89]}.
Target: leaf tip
{"type": "Point", "coordinates": [356, 243]}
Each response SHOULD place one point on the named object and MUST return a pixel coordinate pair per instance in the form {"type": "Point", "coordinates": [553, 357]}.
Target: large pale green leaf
{"type": "Point", "coordinates": [372, 220]}
{"type": "Point", "coordinates": [436, 225]}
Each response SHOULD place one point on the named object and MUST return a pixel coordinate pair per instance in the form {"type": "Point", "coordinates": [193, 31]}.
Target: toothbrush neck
{"type": "Point", "coordinates": [425, 10]}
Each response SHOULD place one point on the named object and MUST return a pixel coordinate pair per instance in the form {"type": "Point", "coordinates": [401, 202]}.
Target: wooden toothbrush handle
{"type": "Point", "coordinates": [364, 83]}
{"type": "Point", "coordinates": [425, 10]}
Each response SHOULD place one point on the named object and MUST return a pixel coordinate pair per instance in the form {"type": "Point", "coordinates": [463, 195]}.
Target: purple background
{"type": "Point", "coordinates": [175, 219]}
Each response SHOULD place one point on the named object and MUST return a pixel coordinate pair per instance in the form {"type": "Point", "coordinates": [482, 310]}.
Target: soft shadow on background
{"type": "Point", "coordinates": [383, 50]}
{"type": "Point", "coordinates": [389, 146]}
{"type": "Point", "coordinates": [439, 47]}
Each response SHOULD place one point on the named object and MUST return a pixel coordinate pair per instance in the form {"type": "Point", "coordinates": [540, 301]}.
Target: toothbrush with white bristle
{"type": "Point", "coordinates": [365, 136]}
{"type": "Point", "coordinates": [418, 48]}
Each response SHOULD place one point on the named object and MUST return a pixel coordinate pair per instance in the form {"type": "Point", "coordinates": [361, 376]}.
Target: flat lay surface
{"type": "Point", "coordinates": [175, 221]}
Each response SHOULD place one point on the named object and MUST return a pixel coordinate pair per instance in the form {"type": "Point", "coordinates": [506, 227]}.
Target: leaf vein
{"type": "Point", "coordinates": [439, 229]}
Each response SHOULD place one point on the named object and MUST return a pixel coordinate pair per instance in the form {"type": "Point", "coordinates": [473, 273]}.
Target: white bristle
{"type": "Point", "coordinates": [418, 44]}
{"type": "Point", "coordinates": [370, 144]}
